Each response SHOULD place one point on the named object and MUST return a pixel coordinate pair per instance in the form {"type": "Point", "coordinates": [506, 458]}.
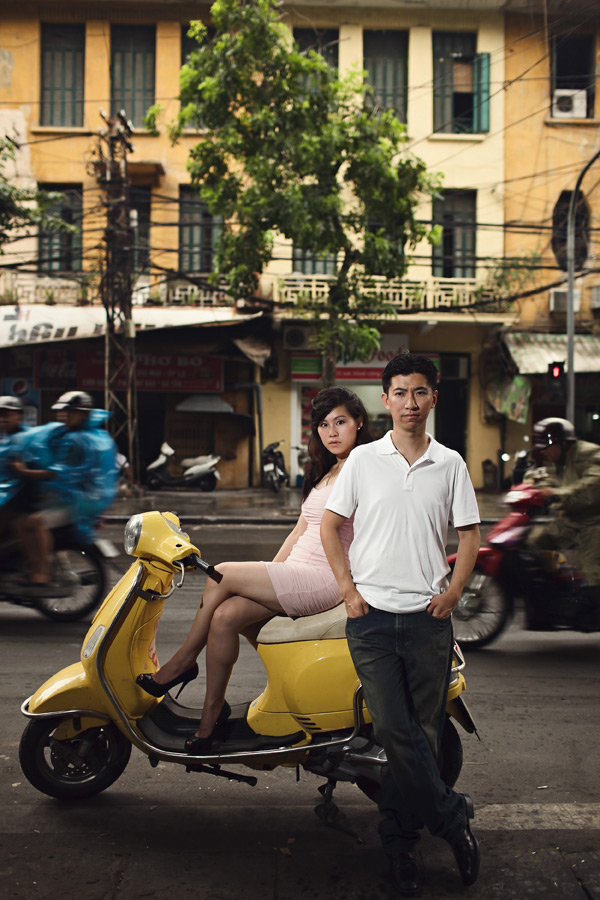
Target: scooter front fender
{"type": "Point", "coordinates": [489, 560]}
{"type": "Point", "coordinates": [68, 693]}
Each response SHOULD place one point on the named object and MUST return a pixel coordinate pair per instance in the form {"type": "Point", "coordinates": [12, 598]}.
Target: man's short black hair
{"type": "Point", "coordinates": [407, 364]}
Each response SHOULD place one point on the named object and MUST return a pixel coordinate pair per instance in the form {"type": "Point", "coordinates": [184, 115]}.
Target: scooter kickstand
{"type": "Point", "coordinates": [327, 811]}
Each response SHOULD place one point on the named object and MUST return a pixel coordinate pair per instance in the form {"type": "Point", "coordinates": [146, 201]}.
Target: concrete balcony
{"type": "Point", "coordinates": [436, 294]}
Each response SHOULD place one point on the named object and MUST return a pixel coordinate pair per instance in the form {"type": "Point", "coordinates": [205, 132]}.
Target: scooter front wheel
{"type": "Point", "coordinates": [77, 767]}
{"type": "Point", "coordinates": [79, 574]}
{"type": "Point", "coordinates": [481, 613]}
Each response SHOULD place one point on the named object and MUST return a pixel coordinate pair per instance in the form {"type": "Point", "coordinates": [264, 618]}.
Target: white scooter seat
{"type": "Point", "coordinates": [327, 625]}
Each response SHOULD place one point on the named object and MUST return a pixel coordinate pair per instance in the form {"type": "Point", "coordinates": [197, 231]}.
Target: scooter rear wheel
{"type": "Point", "coordinates": [449, 762]}
{"type": "Point", "coordinates": [481, 613]}
{"type": "Point", "coordinates": [75, 768]}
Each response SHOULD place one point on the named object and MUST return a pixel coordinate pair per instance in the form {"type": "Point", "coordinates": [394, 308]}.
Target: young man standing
{"type": "Point", "coordinates": [403, 490]}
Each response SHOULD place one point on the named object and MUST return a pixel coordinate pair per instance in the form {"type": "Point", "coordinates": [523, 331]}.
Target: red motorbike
{"type": "Point", "coordinates": [555, 595]}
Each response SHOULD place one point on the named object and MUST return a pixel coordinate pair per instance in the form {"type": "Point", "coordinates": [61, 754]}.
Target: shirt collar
{"type": "Point", "coordinates": [434, 451]}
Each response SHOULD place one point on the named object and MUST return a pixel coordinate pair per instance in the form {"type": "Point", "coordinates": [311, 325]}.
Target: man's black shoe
{"type": "Point", "coordinates": [466, 849]}
{"type": "Point", "coordinates": [406, 875]}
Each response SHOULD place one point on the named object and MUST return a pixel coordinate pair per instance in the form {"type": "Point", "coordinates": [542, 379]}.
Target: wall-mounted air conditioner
{"type": "Point", "coordinates": [298, 337]}
{"type": "Point", "coordinates": [568, 103]}
{"type": "Point", "coordinates": [557, 302]}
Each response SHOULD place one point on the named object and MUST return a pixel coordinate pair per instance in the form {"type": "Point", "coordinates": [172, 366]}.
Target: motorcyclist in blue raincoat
{"type": "Point", "coordinates": [73, 465]}
{"type": "Point", "coordinates": [12, 435]}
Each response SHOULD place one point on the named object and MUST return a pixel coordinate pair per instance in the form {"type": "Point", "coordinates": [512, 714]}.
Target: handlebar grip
{"type": "Point", "coordinates": [197, 561]}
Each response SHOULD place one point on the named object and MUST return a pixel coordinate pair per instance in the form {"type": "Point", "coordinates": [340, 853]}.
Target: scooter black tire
{"type": "Point", "coordinates": [153, 482]}
{"type": "Point", "coordinates": [82, 568]}
{"type": "Point", "coordinates": [450, 762]}
{"type": "Point", "coordinates": [208, 483]}
{"type": "Point", "coordinates": [273, 482]}
{"type": "Point", "coordinates": [482, 612]}
{"type": "Point", "coordinates": [76, 768]}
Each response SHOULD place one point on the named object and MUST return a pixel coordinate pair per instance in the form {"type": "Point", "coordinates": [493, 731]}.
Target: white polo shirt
{"type": "Point", "coordinates": [401, 515]}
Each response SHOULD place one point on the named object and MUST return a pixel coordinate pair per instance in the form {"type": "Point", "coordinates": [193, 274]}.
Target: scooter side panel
{"type": "Point", "coordinates": [310, 683]}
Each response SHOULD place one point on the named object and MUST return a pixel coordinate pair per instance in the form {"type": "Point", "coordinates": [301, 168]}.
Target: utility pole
{"type": "Point", "coordinates": [570, 405]}
{"type": "Point", "coordinates": [120, 394]}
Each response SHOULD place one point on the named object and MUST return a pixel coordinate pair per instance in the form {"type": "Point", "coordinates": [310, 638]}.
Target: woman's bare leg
{"type": "Point", "coordinates": [222, 651]}
{"type": "Point", "coordinates": [248, 579]}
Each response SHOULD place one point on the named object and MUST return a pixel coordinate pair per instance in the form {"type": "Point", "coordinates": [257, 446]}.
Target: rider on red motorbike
{"type": "Point", "coordinates": [576, 465]}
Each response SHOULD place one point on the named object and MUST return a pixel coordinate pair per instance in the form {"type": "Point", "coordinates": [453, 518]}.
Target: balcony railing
{"type": "Point", "coordinates": [27, 288]}
{"type": "Point", "coordinates": [401, 294]}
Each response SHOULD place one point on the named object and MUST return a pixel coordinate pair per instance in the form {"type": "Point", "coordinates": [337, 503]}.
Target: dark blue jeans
{"type": "Point", "coordinates": [403, 662]}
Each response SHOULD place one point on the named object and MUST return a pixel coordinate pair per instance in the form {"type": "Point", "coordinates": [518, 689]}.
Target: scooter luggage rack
{"type": "Point", "coordinates": [158, 754]}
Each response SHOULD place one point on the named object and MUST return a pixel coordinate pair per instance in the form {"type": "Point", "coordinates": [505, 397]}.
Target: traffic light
{"type": "Point", "coordinates": [556, 378]}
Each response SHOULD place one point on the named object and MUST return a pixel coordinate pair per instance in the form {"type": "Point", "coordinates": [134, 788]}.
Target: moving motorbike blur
{"type": "Point", "coordinates": [555, 595]}
{"type": "Point", "coordinates": [84, 720]}
{"type": "Point", "coordinates": [78, 576]}
{"type": "Point", "coordinates": [273, 465]}
{"type": "Point", "coordinates": [197, 471]}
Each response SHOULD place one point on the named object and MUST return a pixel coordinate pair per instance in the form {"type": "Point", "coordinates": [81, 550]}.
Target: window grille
{"type": "Point", "coordinates": [62, 75]}
{"type": "Point", "coordinates": [198, 232]}
{"type": "Point", "coordinates": [454, 256]}
{"type": "Point", "coordinates": [58, 252]}
{"type": "Point", "coordinates": [132, 70]}
{"type": "Point", "coordinates": [386, 62]}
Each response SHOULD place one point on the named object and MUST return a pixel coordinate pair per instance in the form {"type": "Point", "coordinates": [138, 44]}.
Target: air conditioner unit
{"type": "Point", "coordinates": [595, 297]}
{"type": "Point", "coordinates": [558, 300]}
{"type": "Point", "coordinates": [568, 103]}
{"type": "Point", "coordinates": [297, 337]}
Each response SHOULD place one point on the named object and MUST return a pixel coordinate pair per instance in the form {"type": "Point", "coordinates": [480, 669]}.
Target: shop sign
{"type": "Point", "coordinates": [308, 366]}
{"type": "Point", "coordinates": [180, 371]}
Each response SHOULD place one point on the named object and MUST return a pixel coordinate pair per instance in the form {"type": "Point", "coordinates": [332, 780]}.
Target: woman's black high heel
{"type": "Point", "coordinates": [148, 684]}
{"type": "Point", "coordinates": [200, 746]}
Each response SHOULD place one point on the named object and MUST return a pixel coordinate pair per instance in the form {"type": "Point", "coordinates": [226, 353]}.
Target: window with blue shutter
{"type": "Point", "coordinates": [198, 232]}
{"type": "Point", "coordinates": [385, 55]}
{"type": "Point", "coordinates": [454, 256]}
{"type": "Point", "coordinates": [62, 75]}
{"type": "Point", "coordinates": [461, 84]}
{"type": "Point", "coordinates": [132, 70]}
{"type": "Point", "coordinates": [59, 252]}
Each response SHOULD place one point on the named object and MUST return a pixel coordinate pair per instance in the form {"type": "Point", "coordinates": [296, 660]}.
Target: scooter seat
{"type": "Point", "coordinates": [327, 625]}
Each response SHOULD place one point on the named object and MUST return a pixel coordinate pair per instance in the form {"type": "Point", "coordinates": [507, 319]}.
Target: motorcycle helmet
{"type": "Point", "coordinates": [79, 400]}
{"type": "Point", "coordinates": [548, 432]}
{"type": "Point", "coordinates": [9, 402]}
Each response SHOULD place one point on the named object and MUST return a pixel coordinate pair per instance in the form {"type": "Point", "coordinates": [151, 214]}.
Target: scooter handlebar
{"type": "Point", "coordinates": [199, 563]}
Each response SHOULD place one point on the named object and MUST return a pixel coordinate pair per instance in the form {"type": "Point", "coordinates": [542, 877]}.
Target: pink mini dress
{"type": "Point", "coordinates": [304, 582]}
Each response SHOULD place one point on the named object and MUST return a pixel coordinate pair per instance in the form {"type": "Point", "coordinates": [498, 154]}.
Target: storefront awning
{"type": "Point", "coordinates": [204, 403]}
{"type": "Point", "coordinates": [533, 353]}
{"type": "Point", "coordinates": [37, 323]}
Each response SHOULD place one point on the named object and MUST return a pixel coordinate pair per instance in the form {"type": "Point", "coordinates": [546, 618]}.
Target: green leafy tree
{"type": "Point", "coordinates": [21, 209]}
{"type": "Point", "coordinates": [292, 149]}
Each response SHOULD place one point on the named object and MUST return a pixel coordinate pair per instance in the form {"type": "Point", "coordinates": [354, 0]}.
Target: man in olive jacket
{"type": "Point", "coordinates": [577, 466]}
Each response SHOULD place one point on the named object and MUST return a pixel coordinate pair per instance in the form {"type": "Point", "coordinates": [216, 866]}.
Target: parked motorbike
{"type": "Point", "coordinates": [77, 577]}
{"type": "Point", "coordinates": [196, 471]}
{"type": "Point", "coordinates": [555, 595]}
{"type": "Point", "coordinates": [273, 466]}
{"type": "Point", "coordinates": [85, 719]}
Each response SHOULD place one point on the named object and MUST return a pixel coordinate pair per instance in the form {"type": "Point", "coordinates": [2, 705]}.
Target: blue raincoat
{"type": "Point", "coordinates": [83, 462]}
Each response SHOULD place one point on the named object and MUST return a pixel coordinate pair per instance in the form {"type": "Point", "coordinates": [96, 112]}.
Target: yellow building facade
{"type": "Point", "coordinates": [444, 69]}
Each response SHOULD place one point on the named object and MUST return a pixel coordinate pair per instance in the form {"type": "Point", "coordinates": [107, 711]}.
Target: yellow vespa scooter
{"type": "Point", "coordinates": [84, 719]}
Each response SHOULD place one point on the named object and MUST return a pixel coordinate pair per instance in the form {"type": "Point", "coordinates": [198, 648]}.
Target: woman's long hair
{"type": "Point", "coordinates": [321, 459]}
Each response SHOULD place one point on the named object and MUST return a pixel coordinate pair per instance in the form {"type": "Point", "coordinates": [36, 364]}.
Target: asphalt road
{"type": "Point", "coordinates": [161, 833]}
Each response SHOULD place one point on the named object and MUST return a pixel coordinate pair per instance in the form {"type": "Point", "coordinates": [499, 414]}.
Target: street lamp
{"type": "Point", "coordinates": [571, 293]}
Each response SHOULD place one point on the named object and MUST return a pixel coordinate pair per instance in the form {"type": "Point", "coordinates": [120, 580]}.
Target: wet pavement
{"type": "Point", "coordinates": [244, 506]}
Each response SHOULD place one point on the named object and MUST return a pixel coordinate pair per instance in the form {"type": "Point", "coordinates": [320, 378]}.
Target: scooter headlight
{"type": "Point", "coordinates": [132, 533]}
